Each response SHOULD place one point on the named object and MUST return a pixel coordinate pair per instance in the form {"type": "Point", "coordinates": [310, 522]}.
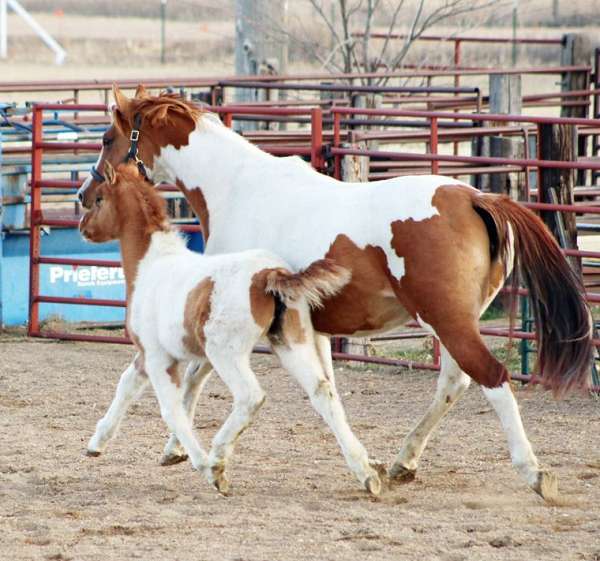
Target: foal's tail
{"type": "Point", "coordinates": [562, 316]}
{"type": "Point", "coordinates": [319, 281]}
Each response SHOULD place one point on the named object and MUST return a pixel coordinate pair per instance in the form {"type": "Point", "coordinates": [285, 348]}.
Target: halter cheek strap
{"type": "Point", "coordinates": [132, 154]}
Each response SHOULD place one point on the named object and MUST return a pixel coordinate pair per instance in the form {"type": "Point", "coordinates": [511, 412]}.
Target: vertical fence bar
{"type": "Point", "coordinates": [227, 119]}
{"type": "Point", "coordinates": [433, 145]}
{"type": "Point", "coordinates": [35, 217]}
{"type": "Point", "coordinates": [337, 159]}
{"type": "Point", "coordinates": [316, 138]}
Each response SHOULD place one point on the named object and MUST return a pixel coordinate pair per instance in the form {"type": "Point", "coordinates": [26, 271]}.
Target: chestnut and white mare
{"type": "Point", "coordinates": [428, 248]}
{"type": "Point", "coordinates": [214, 309]}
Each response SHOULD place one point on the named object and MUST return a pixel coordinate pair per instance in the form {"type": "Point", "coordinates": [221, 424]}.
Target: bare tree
{"type": "Point", "coordinates": [351, 25]}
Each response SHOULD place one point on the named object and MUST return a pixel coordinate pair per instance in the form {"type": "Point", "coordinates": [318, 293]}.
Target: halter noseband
{"type": "Point", "coordinates": [132, 154]}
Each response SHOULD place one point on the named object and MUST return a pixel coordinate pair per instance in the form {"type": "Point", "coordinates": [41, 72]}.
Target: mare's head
{"type": "Point", "coordinates": [162, 120]}
{"type": "Point", "coordinates": [125, 198]}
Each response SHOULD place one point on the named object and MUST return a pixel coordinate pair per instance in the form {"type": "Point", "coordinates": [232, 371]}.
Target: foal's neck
{"type": "Point", "coordinates": [135, 240]}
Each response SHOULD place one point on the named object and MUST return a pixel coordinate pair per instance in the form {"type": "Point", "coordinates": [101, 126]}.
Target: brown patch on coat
{"type": "Point", "coordinates": [262, 305]}
{"type": "Point", "coordinates": [173, 372]}
{"type": "Point", "coordinates": [291, 327]}
{"type": "Point", "coordinates": [367, 302]}
{"type": "Point", "coordinates": [196, 199]}
{"type": "Point", "coordinates": [448, 288]}
{"type": "Point", "coordinates": [195, 316]}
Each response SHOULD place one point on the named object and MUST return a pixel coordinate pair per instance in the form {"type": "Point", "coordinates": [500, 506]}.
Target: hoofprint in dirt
{"type": "Point", "coordinates": [293, 497]}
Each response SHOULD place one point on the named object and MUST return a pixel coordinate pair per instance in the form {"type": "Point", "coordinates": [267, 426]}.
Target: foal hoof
{"type": "Point", "coordinates": [172, 459]}
{"type": "Point", "coordinates": [375, 484]}
{"type": "Point", "coordinates": [400, 474]}
{"type": "Point", "coordinates": [546, 486]}
{"type": "Point", "coordinates": [92, 453]}
{"type": "Point", "coordinates": [219, 480]}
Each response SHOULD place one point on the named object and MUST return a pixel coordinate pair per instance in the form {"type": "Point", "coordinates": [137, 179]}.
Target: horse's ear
{"type": "Point", "coordinates": [110, 173]}
{"type": "Point", "coordinates": [141, 92]}
{"type": "Point", "coordinates": [121, 99]}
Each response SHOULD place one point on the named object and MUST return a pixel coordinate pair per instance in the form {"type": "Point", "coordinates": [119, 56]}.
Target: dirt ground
{"type": "Point", "coordinates": [292, 496]}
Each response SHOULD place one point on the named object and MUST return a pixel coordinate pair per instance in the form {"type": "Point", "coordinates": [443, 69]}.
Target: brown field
{"type": "Point", "coordinates": [292, 496]}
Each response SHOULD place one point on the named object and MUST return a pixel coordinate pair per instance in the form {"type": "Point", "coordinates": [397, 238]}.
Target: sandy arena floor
{"type": "Point", "coordinates": [292, 496]}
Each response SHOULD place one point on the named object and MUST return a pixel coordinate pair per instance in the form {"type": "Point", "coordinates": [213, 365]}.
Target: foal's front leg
{"type": "Point", "coordinates": [196, 376]}
{"type": "Point", "coordinates": [131, 385]}
{"type": "Point", "coordinates": [163, 374]}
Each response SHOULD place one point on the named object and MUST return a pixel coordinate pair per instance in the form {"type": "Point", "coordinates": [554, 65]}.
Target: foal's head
{"type": "Point", "coordinates": [124, 199]}
{"type": "Point", "coordinates": [162, 120]}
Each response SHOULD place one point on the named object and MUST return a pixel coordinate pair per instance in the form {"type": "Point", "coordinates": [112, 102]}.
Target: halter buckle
{"type": "Point", "coordinates": [135, 135]}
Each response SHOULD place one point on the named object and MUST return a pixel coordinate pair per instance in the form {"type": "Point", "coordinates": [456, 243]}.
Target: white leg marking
{"type": "Point", "coordinates": [504, 403]}
{"type": "Point", "coordinates": [451, 385]}
{"type": "Point", "coordinates": [196, 375]}
{"type": "Point", "coordinates": [131, 385]}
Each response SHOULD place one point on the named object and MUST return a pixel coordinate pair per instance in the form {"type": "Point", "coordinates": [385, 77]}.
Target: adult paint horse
{"type": "Point", "coordinates": [214, 309]}
{"type": "Point", "coordinates": [428, 248]}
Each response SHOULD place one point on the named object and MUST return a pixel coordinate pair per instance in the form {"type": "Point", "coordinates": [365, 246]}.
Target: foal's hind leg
{"type": "Point", "coordinates": [451, 385]}
{"type": "Point", "coordinates": [196, 376]}
{"type": "Point", "coordinates": [248, 398]}
{"type": "Point", "coordinates": [303, 362]}
{"type": "Point", "coordinates": [132, 383]}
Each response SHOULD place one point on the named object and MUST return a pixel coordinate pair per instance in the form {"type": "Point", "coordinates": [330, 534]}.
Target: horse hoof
{"type": "Point", "coordinates": [172, 459]}
{"type": "Point", "coordinates": [546, 486]}
{"type": "Point", "coordinates": [92, 453]}
{"type": "Point", "coordinates": [400, 474]}
{"type": "Point", "coordinates": [220, 481]}
{"type": "Point", "coordinates": [373, 485]}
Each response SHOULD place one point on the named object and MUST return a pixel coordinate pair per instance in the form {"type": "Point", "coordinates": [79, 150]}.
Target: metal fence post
{"type": "Point", "coordinates": [35, 219]}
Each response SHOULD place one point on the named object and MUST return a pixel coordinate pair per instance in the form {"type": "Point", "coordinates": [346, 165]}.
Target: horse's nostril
{"type": "Point", "coordinates": [80, 196]}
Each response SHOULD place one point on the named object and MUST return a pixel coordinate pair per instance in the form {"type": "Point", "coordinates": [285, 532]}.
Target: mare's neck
{"type": "Point", "coordinates": [211, 161]}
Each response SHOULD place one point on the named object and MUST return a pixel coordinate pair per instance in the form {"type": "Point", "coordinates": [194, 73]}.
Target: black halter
{"type": "Point", "coordinates": [132, 154]}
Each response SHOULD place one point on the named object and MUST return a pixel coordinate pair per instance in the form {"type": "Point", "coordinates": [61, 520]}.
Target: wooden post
{"type": "Point", "coordinates": [558, 142]}
{"type": "Point", "coordinates": [576, 51]}
{"type": "Point", "coordinates": [505, 99]}
{"type": "Point", "coordinates": [368, 101]}
{"type": "Point", "coordinates": [261, 45]}
{"type": "Point", "coordinates": [355, 169]}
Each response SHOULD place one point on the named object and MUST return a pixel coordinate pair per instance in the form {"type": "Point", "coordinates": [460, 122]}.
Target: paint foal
{"type": "Point", "coordinates": [428, 248]}
{"type": "Point", "coordinates": [214, 309]}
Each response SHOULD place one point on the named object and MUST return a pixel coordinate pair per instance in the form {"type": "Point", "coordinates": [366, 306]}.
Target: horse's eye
{"type": "Point", "coordinates": [98, 201]}
{"type": "Point", "coordinates": [106, 141]}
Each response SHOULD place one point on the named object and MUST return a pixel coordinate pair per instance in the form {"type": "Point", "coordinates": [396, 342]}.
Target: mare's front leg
{"type": "Point", "coordinates": [196, 376]}
{"type": "Point", "coordinates": [131, 385]}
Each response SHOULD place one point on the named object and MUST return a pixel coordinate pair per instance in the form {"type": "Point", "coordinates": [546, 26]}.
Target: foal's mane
{"type": "Point", "coordinates": [147, 198]}
{"type": "Point", "coordinates": [161, 109]}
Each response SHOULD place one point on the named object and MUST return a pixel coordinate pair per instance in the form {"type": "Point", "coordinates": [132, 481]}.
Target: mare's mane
{"type": "Point", "coordinates": [161, 110]}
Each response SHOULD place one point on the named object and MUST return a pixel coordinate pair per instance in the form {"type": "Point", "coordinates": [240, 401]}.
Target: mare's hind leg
{"type": "Point", "coordinates": [196, 375]}
{"type": "Point", "coordinates": [451, 385]}
{"type": "Point", "coordinates": [523, 459]}
{"type": "Point", "coordinates": [463, 341]}
{"type": "Point", "coordinates": [131, 385]}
